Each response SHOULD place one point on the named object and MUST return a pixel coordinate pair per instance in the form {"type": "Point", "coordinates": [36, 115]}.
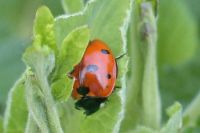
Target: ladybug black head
{"type": "Point", "coordinates": [83, 90]}
{"type": "Point", "coordinates": [90, 104]}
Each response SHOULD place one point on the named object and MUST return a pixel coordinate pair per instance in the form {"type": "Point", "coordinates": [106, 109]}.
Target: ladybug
{"type": "Point", "coordinates": [94, 77]}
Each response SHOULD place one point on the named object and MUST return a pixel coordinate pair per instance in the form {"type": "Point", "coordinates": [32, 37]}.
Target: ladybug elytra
{"type": "Point", "coordinates": [94, 77]}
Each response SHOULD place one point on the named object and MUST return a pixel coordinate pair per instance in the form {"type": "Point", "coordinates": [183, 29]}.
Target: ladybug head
{"type": "Point", "coordinates": [90, 104]}
{"type": "Point", "coordinates": [83, 90]}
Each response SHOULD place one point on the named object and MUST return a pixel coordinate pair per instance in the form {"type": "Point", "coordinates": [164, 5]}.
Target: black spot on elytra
{"type": "Point", "coordinates": [92, 68]}
{"type": "Point", "coordinates": [104, 51]}
{"type": "Point", "coordinates": [108, 76]}
{"type": "Point", "coordinates": [83, 90]}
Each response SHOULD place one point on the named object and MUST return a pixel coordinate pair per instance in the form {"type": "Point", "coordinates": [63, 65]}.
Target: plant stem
{"type": "Point", "coordinates": [52, 115]}
{"type": "Point", "coordinates": [38, 92]}
{"type": "Point", "coordinates": [150, 89]}
{"type": "Point", "coordinates": [31, 126]}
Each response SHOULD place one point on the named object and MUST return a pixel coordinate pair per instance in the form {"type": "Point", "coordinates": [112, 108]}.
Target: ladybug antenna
{"type": "Point", "coordinates": [120, 56]}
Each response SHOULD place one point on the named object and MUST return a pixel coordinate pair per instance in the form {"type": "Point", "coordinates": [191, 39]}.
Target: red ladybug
{"type": "Point", "coordinates": [94, 76]}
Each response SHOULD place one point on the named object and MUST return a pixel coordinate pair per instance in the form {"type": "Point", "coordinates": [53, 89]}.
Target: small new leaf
{"type": "Point", "coordinates": [44, 28]}
{"type": "Point", "coordinates": [175, 122]}
{"type": "Point", "coordinates": [40, 58]}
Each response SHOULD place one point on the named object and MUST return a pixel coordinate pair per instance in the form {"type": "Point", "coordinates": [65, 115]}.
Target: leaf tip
{"type": "Point", "coordinates": [174, 108]}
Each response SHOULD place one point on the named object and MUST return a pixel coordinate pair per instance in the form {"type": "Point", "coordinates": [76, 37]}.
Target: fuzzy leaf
{"type": "Point", "coordinates": [44, 28]}
{"type": "Point", "coordinates": [113, 32]}
{"type": "Point", "coordinates": [38, 92]}
{"type": "Point", "coordinates": [16, 110]}
{"type": "Point", "coordinates": [76, 117]}
{"type": "Point", "coordinates": [70, 54]}
{"type": "Point", "coordinates": [175, 122]}
{"type": "Point", "coordinates": [72, 6]}
{"type": "Point", "coordinates": [105, 118]}
{"type": "Point", "coordinates": [31, 126]}
{"type": "Point", "coordinates": [135, 73]}
{"type": "Point", "coordinates": [36, 104]}
{"type": "Point", "coordinates": [40, 59]}
{"type": "Point", "coordinates": [95, 15]}
{"type": "Point", "coordinates": [142, 129]}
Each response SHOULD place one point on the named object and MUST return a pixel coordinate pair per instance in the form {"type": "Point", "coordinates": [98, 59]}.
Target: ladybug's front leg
{"type": "Point", "coordinates": [116, 87]}
{"type": "Point", "coordinates": [120, 56]}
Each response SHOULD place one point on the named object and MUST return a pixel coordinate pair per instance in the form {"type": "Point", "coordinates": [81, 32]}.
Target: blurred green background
{"type": "Point", "coordinates": [178, 45]}
{"type": "Point", "coordinates": [16, 22]}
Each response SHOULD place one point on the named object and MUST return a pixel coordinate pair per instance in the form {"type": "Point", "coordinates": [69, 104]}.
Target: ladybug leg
{"type": "Point", "coordinates": [70, 74]}
{"type": "Point", "coordinates": [116, 59]}
{"type": "Point", "coordinates": [120, 56]}
{"type": "Point", "coordinates": [77, 107]}
{"type": "Point", "coordinates": [116, 87]}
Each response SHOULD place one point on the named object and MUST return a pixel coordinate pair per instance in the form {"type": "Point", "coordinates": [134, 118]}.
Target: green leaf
{"type": "Point", "coordinates": [191, 113]}
{"type": "Point", "coordinates": [133, 103]}
{"type": "Point", "coordinates": [175, 122]}
{"type": "Point", "coordinates": [70, 117]}
{"type": "Point", "coordinates": [95, 15]}
{"type": "Point", "coordinates": [150, 89]}
{"type": "Point", "coordinates": [41, 60]}
{"type": "Point", "coordinates": [31, 126]}
{"type": "Point", "coordinates": [38, 92]}
{"type": "Point", "coordinates": [72, 6]}
{"type": "Point", "coordinates": [97, 120]}
{"type": "Point", "coordinates": [177, 36]}
{"type": "Point", "coordinates": [44, 28]}
{"type": "Point", "coordinates": [142, 129]}
{"type": "Point", "coordinates": [102, 119]}
{"type": "Point", "coordinates": [36, 104]}
{"type": "Point", "coordinates": [1, 124]}
{"type": "Point", "coordinates": [16, 111]}
{"type": "Point", "coordinates": [70, 54]}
